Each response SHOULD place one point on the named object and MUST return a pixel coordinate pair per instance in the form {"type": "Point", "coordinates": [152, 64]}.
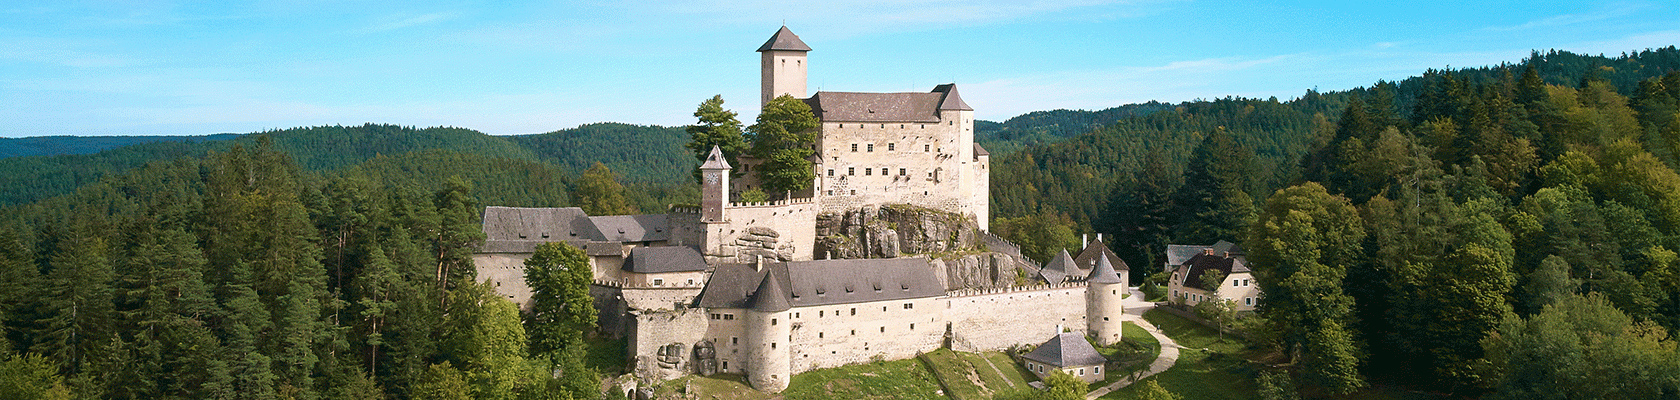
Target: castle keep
{"type": "Point", "coordinates": [837, 275]}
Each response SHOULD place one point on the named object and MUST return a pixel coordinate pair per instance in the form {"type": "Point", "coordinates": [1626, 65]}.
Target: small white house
{"type": "Point", "coordinates": [1070, 353]}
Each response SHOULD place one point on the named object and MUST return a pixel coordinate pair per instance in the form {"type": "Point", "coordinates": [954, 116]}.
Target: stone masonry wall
{"type": "Point", "coordinates": [996, 319]}
{"type": "Point", "coordinates": [782, 230]}
{"type": "Point", "coordinates": [676, 330]}
{"type": "Point", "coordinates": [507, 272]}
{"type": "Point", "coordinates": [831, 335]}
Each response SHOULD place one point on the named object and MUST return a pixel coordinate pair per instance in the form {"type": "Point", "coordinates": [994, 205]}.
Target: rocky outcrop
{"type": "Point", "coordinates": [892, 230]}
{"type": "Point", "coordinates": [983, 270]}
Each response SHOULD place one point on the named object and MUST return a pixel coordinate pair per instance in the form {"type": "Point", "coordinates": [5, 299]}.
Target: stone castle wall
{"type": "Point", "coordinates": [655, 330]}
{"type": "Point", "coordinates": [995, 319]}
{"type": "Point", "coordinates": [832, 335]}
{"type": "Point", "coordinates": [507, 273]}
{"type": "Point", "coordinates": [782, 230]}
{"type": "Point", "coordinates": [925, 164]}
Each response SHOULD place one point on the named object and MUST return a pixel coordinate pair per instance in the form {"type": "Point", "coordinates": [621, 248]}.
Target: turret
{"type": "Point", "coordinates": [782, 64]}
{"type": "Point", "coordinates": [1103, 307]}
{"type": "Point", "coordinates": [768, 333]}
{"type": "Point", "coordinates": [714, 186]}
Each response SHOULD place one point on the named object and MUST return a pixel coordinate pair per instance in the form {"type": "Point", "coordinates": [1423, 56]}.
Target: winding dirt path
{"type": "Point", "coordinates": [1135, 307]}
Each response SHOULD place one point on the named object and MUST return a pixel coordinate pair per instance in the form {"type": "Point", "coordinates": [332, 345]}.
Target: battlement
{"type": "Point", "coordinates": [968, 292]}
{"type": "Point", "coordinates": [776, 203]}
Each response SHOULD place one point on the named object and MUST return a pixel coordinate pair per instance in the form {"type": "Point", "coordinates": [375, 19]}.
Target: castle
{"type": "Point", "coordinates": [734, 287]}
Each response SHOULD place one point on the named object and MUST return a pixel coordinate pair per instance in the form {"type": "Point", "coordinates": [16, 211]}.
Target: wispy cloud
{"type": "Point", "coordinates": [59, 52]}
{"type": "Point", "coordinates": [873, 16]}
{"type": "Point", "coordinates": [401, 21]}
{"type": "Point", "coordinates": [1573, 19]}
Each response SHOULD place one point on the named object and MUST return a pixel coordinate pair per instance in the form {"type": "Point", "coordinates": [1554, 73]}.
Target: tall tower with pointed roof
{"type": "Point", "coordinates": [783, 66]}
{"type": "Point", "coordinates": [768, 334]}
{"type": "Point", "coordinates": [1103, 302]}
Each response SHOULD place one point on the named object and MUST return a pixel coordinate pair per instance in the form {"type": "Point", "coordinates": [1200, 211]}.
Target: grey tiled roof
{"type": "Point", "coordinates": [875, 107]}
{"type": "Point", "coordinates": [952, 100]}
{"type": "Point", "coordinates": [1088, 256]}
{"type": "Point", "coordinates": [769, 297]}
{"type": "Point", "coordinates": [1104, 273]}
{"type": "Point", "coordinates": [886, 107]}
{"type": "Point", "coordinates": [523, 246]}
{"type": "Point", "coordinates": [824, 282]}
{"type": "Point", "coordinates": [1059, 268]}
{"type": "Point", "coordinates": [632, 228]}
{"type": "Point", "coordinates": [980, 151]}
{"type": "Point", "coordinates": [1177, 254]}
{"type": "Point", "coordinates": [649, 260]}
{"type": "Point", "coordinates": [715, 160]}
{"type": "Point", "coordinates": [784, 39]}
{"type": "Point", "coordinates": [1068, 349]}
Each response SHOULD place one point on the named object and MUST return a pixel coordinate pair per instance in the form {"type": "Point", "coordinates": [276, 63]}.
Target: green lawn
{"type": "Point", "coordinates": [902, 379]}
{"type": "Point", "coordinates": [976, 376]}
{"type": "Point", "coordinates": [1221, 371]}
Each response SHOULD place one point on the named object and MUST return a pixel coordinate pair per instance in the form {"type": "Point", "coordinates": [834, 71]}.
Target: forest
{"type": "Point", "coordinates": [1503, 232]}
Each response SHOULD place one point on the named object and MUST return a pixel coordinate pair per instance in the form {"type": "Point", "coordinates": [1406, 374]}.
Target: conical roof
{"type": "Point", "coordinates": [1104, 272]}
{"type": "Point", "coordinates": [770, 297]}
{"type": "Point", "coordinates": [1056, 271]}
{"type": "Point", "coordinates": [784, 39]}
{"type": "Point", "coordinates": [715, 160]}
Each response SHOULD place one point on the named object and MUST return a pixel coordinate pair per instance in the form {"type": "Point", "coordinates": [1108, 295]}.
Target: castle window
{"type": "Point", "coordinates": [658, 282]}
{"type": "Point", "coordinates": [891, 146]}
{"type": "Point", "coordinates": [912, 327]}
{"type": "Point", "coordinates": [734, 340]}
{"type": "Point", "coordinates": [831, 192]}
{"type": "Point", "coordinates": [1248, 301]}
{"type": "Point", "coordinates": [773, 345]}
{"type": "Point", "coordinates": [883, 329]}
{"type": "Point", "coordinates": [883, 172]}
{"type": "Point", "coordinates": [725, 366]}
{"type": "Point", "coordinates": [851, 170]}
{"type": "Point", "coordinates": [854, 311]}
{"type": "Point", "coordinates": [867, 171]}
{"type": "Point", "coordinates": [908, 306]}
{"type": "Point", "coordinates": [1081, 370]}
{"type": "Point", "coordinates": [831, 172]}
{"type": "Point", "coordinates": [854, 192]}
{"type": "Point", "coordinates": [1096, 370]}
{"type": "Point", "coordinates": [925, 148]}
{"type": "Point", "coordinates": [871, 147]}
{"type": "Point", "coordinates": [796, 315]}
{"type": "Point", "coordinates": [819, 335]}
{"type": "Point", "coordinates": [729, 317]}
{"type": "Point", "coordinates": [924, 126]}
{"type": "Point", "coordinates": [901, 172]}
{"type": "Point", "coordinates": [900, 126]}
{"type": "Point", "coordinates": [854, 147]}
{"type": "Point", "coordinates": [772, 322]}
{"type": "Point", "coordinates": [854, 332]}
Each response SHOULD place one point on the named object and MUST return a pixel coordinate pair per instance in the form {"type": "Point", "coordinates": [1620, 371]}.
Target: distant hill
{"type": "Point", "coordinates": [1042, 127]}
{"type": "Point", "coordinates": [61, 145]}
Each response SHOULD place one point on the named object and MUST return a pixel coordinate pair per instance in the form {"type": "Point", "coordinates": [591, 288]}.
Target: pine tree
{"type": "Point", "coordinates": [1215, 191]}
{"type": "Point", "coordinates": [79, 303]}
{"type": "Point", "coordinates": [458, 231]}
{"type": "Point", "coordinates": [716, 127]}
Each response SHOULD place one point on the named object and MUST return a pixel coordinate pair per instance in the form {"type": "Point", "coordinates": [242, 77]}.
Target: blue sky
{"type": "Point", "coordinates": [140, 67]}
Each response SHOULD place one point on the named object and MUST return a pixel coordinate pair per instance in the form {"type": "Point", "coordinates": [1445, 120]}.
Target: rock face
{"type": "Point", "coordinates": [892, 230]}
{"type": "Point", "coordinates": [984, 270]}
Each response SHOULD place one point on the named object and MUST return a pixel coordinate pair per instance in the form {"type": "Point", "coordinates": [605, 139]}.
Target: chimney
{"type": "Point", "coordinates": [758, 262]}
{"type": "Point", "coordinates": [1085, 240]}
{"type": "Point", "coordinates": [1099, 237]}
{"type": "Point", "coordinates": [1058, 329]}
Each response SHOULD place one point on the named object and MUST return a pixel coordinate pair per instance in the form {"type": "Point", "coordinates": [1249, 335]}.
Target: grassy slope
{"type": "Point", "coordinates": [1207, 368]}
{"type": "Point", "coordinates": [902, 379]}
{"type": "Point", "coordinates": [973, 376]}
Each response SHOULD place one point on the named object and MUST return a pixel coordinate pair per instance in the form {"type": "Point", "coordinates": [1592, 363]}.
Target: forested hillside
{"type": "Point", "coordinates": [59, 145]}
{"type": "Point", "coordinates": [1507, 231]}
{"type": "Point", "coordinates": [648, 153]}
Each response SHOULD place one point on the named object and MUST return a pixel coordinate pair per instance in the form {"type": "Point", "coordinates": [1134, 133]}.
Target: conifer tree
{"type": "Point", "coordinates": [79, 303]}
{"type": "Point", "coordinates": [1215, 192]}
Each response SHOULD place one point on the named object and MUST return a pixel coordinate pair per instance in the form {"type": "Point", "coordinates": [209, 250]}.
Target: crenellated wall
{"type": "Point", "coordinates": [995, 319]}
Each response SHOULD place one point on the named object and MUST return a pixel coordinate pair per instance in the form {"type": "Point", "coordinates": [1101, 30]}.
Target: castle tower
{"type": "Point", "coordinates": [1103, 307]}
{"type": "Point", "coordinates": [769, 360]}
{"type": "Point", "coordinates": [714, 186]}
{"type": "Point", "coordinates": [783, 66]}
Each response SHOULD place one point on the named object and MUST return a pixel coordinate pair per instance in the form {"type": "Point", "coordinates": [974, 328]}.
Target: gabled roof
{"type": "Point", "coordinates": [1088, 256]}
{"type": "Point", "coordinates": [1202, 263]}
{"type": "Point", "coordinates": [769, 297]}
{"type": "Point", "coordinates": [715, 160]}
{"type": "Point", "coordinates": [1104, 273]}
{"type": "Point", "coordinates": [651, 260]}
{"type": "Point", "coordinates": [1177, 254]}
{"type": "Point", "coordinates": [784, 39]}
{"type": "Point", "coordinates": [1068, 349]}
{"type": "Point", "coordinates": [952, 100]}
{"type": "Point", "coordinates": [980, 151]}
{"type": "Point", "coordinates": [521, 229]}
{"type": "Point", "coordinates": [917, 107]}
{"type": "Point", "coordinates": [632, 228]}
{"type": "Point", "coordinates": [1059, 268]}
{"type": "Point", "coordinates": [824, 282]}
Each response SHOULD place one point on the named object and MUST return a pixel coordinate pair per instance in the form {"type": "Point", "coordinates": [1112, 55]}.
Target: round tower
{"type": "Point", "coordinates": [1103, 307]}
{"type": "Point", "coordinates": [769, 360]}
